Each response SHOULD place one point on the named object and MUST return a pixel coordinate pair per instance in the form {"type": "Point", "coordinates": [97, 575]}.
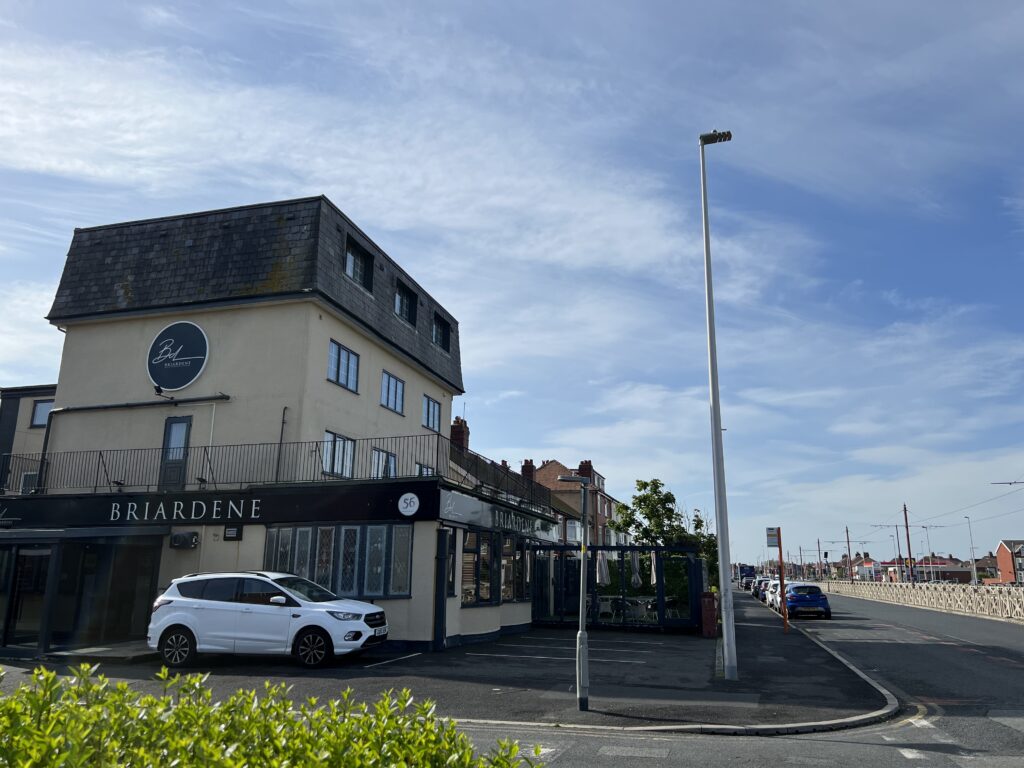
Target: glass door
{"type": "Point", "coordinates": [28, 588]}
{"type": "Point", "coordinates": [6, 572]}
{"type": "Point", "coordinates": [174, 457]}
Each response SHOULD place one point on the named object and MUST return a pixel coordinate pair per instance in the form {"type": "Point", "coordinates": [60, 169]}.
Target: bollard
{"type": "Point", "coordinates": [709, 614]}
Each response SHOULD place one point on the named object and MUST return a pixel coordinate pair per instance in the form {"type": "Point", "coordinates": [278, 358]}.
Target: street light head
{"type": "Point", "coordinates": [715, 137]}
{"type": "Point", "coordinates": [574, 479]}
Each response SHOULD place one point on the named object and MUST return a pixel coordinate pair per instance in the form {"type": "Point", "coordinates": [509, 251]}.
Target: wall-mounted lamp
{"type": "Point", "coordinates": [159, 392]}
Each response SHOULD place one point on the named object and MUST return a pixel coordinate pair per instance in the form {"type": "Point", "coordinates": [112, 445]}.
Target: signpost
{"type": "Point", "coordinates": [775, 540]}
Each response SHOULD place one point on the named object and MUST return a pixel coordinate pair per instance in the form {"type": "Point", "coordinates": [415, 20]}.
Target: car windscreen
{"type": "Point", "coordinates": [806, 590]}
{"type": "Point", "coordinates": [306, 589]}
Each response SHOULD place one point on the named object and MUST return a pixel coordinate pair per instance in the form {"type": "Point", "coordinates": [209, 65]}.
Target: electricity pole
{"type": "Point", "coordinates": [910, 552]}
{"type": "Point", "coordinates": [849, 556]}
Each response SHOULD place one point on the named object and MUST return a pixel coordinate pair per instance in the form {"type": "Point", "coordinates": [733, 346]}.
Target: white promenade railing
{"type": "Point", "coordinates": [1003, 602]}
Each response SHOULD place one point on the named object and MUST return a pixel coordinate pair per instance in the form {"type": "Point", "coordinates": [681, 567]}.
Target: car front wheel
{"type": "Point", "coordinates": [312, 647]}
{"type": "Point", "coordinates": [177, 647]}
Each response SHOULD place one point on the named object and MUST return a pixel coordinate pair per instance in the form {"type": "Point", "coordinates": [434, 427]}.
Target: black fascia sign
{"type": "Point", "coordinates": [177, 356]}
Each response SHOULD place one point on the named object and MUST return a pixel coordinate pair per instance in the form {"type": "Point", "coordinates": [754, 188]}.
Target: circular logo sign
{"type": "Point", "coordinates": [177, 355]}
{"type": "Point", "coordinates": [408, 504]}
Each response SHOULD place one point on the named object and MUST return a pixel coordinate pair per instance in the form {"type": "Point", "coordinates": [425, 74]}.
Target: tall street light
{"type": "Point", "coordinates": [718, 456]}
{"type": "Point", "coordinates": [582, 672]}
{"type": "Point", "coordinates": [974, 562]}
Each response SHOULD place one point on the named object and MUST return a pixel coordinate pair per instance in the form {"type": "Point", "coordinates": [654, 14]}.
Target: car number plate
{"type": "Point", "coordinates": [380, 631]}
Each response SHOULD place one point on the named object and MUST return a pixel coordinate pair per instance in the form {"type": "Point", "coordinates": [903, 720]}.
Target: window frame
{"type": "Point", "coordinates": [405, 303]}
{"type": "Point", "coordinates": [518, 565]}
{"type": "Point", "coordinates": [386, 390]}
{"type": "Point", "coordinates": [431, 408]}
{"type": "Point", "coordinates": [348, 461]}
{"type": "Point", "coordinates": [425, 470]}
{"type": "Point", "coordinates": [441, 333]}
{"type": "Point", "coordinates": [492, 540]}
{"type": "Point", "coordinates": [336, 352]}
{"type": "Point", "coordinates": [390, 462]}
{"type": "Point", "coordinates": [355, 253]}
{"type": "Point", "coordinates": [360, 535]}
{"type": "Point", "coordinates": [32, 422]}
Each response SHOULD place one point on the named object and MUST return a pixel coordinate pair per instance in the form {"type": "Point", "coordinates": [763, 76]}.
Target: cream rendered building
{"type": "Point", "coordinates": [257, 387]}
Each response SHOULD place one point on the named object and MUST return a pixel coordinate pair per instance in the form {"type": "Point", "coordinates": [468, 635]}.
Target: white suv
{"type": "Point", "coordinates": [261, 613]}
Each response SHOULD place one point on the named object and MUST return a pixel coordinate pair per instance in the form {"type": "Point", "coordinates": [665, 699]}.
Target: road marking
{"type": "Point", "coordinates": [388, 661]}
{"type": "Point", "coordinates": [560, 647]}
{"type": "Point", "coordinates": [913, 754]}
{"type": "Point", "coordinates": [554, 658]}
{"type": "Point", "coordinates": [603, 640]}
{"type": "Point", "coordinates": [887, 737]}
{"type": "Point", "coordinates": [921, 723]}
{"type": "Point", "coordinates": [632, 752]}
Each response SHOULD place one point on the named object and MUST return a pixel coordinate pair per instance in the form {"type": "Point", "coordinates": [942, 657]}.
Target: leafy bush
{"type": "Point", "coordinates": [85, 720]}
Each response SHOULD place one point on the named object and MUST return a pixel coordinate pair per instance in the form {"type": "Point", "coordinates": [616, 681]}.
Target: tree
{"type": "Point", "coordinates": [653, 517]}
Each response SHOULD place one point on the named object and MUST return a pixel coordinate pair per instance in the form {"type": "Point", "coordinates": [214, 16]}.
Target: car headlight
{"type": "Point", "coordinates": [342, 616]}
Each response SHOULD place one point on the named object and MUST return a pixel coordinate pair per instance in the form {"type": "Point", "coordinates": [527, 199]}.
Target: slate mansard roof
{"type": "Point", "coordinates": [236, 255]}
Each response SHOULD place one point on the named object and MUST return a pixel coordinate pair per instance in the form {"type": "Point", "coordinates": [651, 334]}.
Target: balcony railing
{"type": "Point", "coordinates": [237, 466]}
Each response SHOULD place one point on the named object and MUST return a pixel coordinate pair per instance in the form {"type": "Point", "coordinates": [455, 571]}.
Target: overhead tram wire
{"type": "Point", "coordinates": [959, 509]}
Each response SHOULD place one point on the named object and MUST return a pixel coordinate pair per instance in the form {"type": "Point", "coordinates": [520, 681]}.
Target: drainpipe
{"type": "Point", "coordinates": [280, 444]}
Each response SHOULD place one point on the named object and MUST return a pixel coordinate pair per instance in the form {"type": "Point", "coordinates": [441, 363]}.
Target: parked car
{"type": "Point", "coordinates": [772, 595]}
{"type": "Point", "coordinates": [259, 613]}
{"type": "Point", "coordinates": [760, 584]}
{"type": "Point", "coordinates": [807, 600]}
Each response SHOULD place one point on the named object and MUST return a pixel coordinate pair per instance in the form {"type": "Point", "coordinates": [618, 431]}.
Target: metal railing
{"type": "Point", "coordinates": [999, 602]}
{"type": "Point", "coordinates": [236, 466]}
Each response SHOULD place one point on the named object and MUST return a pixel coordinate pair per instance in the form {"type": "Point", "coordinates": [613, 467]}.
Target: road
{"type": "Point", "coordinates": [961, 681]}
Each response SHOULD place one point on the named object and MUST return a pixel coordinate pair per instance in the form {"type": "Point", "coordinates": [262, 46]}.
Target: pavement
{"type": "Point", "coordinates": [639, 681]}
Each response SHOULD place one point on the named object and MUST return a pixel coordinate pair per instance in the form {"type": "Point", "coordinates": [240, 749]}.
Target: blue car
{"type": "Point", "coordinates": [807, 600]}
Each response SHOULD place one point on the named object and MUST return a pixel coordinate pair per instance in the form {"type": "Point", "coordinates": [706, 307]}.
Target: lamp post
{"type": "Point", "coordinates": [931, 556]}
{"type": "Point", "coordinates": [718, 455]}
{"type": "Point", "coordinates": [974, 562]}
{"type": "Point", "coordinates": [582, 672]}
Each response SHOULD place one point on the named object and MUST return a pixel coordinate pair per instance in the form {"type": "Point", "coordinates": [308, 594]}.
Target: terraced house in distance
{"type": "Point", "coordinates": [254, 387]}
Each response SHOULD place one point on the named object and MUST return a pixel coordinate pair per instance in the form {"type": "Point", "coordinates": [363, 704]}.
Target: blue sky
{"type": "Point", "coordinates": [535, 166]}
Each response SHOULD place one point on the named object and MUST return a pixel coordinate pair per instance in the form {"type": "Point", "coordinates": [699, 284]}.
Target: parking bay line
{"type": "Point", "coordinates": [562, 647]}
{"type": "Point", "coordinates": [388, 661]}
{"type": "Point", "coordinates": [603, 640]}
{"type": "Point", "coordinates": [553, 658]}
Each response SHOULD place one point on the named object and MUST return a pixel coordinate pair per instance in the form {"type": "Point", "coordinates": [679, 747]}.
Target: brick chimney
{"type": "Point", "coordinates": [460, 432]}
{"type": "Point", "coordinates": [528, 469]}
{"type": "Point", "coordinates": [586, 469]}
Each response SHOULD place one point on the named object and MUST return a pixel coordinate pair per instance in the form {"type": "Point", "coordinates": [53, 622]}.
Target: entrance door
{"type": "Point", "coordinates": [174, 457]}
{"type": "Point", "coordinates": [6, 577]}
{"type": "Point", "coordinates": [25, 609]}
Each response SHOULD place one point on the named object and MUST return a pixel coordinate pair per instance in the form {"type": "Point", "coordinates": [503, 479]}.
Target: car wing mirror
{"type": "Point", "coordinates": [279, 600]}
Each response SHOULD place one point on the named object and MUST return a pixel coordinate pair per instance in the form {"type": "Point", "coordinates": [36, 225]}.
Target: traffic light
{"type": "Point", "coordinates": [826, 555]}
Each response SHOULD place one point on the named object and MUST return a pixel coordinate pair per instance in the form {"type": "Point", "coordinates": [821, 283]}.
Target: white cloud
{"type": "Point", "coordinates": [533, 178]}
{"type": "Point", "coordinates": [29, 347]}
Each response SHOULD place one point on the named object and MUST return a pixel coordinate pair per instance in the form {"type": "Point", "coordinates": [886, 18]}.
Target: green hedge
{"type": "Point", "coordinates": [85, 720]}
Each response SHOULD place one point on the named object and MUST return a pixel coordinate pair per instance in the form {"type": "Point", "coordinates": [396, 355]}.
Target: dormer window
{"type": "Point", "coordinates": [441, 333]}
{"type": "Point", "coordinates": [359, 265]}
{"type": "Point", "coordinates": [405, 303]}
